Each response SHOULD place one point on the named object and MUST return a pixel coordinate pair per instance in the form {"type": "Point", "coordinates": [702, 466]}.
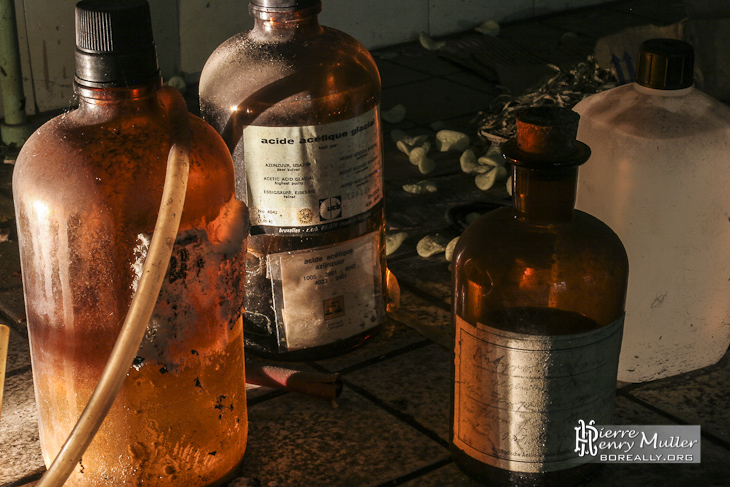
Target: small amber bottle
{"type": "Point", "coordinates": [87, 187]}
{"type": "Point", "coordinates": [298, 105]}
{"type": "Point", "coordinates": [538, 304]}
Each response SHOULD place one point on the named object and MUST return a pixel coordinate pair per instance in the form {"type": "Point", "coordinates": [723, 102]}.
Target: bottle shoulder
{"type": "Point", "coordinates": [638, 114]}
{"type": "Point", "coordinates": [498, 235]}
{"type": "Point", "coordinates": [121, 162]}
{"type": "Point", "coordinates": [245, 68]}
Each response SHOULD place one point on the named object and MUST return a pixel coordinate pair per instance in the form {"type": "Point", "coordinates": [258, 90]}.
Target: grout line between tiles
{"type": "Point", "coordinates": [416, 474]}
{"type": "Point", "coordinates": [425, 295]}
{"type": "Point", "coordinates": [404, 418]}
{"type": "Point", "coordinates": [365, 363]}
{"type": "Point", "coordinates": [21, 370]}
{"type": "Point", "coordinates": [263, 398]}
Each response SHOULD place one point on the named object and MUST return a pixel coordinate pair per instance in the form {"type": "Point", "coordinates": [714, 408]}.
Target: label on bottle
{"type": "Point", "coordinates": [313, 178]}
{"type": "Point", "coordinates": [328, 293]}
{"type": "Point", "coordinates": [518, 398]}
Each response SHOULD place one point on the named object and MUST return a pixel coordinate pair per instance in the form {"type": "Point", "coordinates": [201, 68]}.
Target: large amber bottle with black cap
{"type": "Point", "coordinates": [87, 187]}
{"type": "Point", "coordinates": [538, 306]}
{"type": "Point", "coordinates": [298, 105]}
{"type": "Point", "coordinates": [659, 176]}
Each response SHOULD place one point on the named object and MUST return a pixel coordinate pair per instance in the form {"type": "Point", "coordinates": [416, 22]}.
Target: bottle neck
{"type": "Point", "coordinates": [544, 196]}
{"type": "Point", "coordinates": [286, 25]}
{"type": "Point", "coordinates": [105, 103]}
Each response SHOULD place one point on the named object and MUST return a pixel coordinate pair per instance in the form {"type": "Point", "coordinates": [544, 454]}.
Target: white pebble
{"type": "Point", "coordinates": [493, 157]}
{"type": "Point", "coordinates": [426, 165]}
{"type": "Point", "coordinates": [468, 163]}
{"type": "Point", "coordinates": [431, 245]}
{"type": "Point", "coordinates": [178, 83]}
{"type": "Point", "coordinates": [403, 147]}
{"type": "Point", "coordinates": [486, 180]}
{"type": "Point", "coordinates": [447, 140]}
{"type": "Point", "coordinates": [420, 187]}
{"type": "Point", "coordinates": [490, 28]}
{"type": "Point", "coordinates": [419, 153]}
{"type": "Point", "coordinates": [395, 114]}
{"type": "Point", "coordinates": [438, 125]}
{"type": "Point", "coordinates": [429, 43]}
{"type": "Point", "coordinates": [393, 241]}
{"type": "Point", "coordinates": [449, 252]}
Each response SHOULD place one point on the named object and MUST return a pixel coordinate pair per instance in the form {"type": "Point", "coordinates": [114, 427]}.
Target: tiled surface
{"type": "Point", "coordinates": [390, 425]}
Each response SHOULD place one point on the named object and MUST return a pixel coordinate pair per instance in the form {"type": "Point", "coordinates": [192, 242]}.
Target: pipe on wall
{"type": "Point", "coordinates": [15, 129]}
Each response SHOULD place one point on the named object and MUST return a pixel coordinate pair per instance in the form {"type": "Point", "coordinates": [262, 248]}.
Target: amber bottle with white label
{"type": "Point", "coordinates": [298, 106]}
{"type": "Point", "coordinates": [539, 290]}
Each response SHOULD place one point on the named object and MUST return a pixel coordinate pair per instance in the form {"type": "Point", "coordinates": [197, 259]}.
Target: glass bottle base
{"type": "Point", "coordinates": [494, 476]}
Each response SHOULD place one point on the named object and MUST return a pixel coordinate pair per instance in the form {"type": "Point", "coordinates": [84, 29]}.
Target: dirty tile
{"type": "Point", "coordinates": [659, 11]}
{"type": "Point", "coordinates": [393, 74]}
{"type": "Point", "coordinates": [18, 353]}
{"type": "Point", "coordinates": [430, 275]}
{"type": "Point", "coordinates": [399, 382]}
{"type": "Point", "coordinates": [699, 397]}
{"type": "Point", "coordinates": [595, 22]}
{"type": "Point", "coordinates": [20, 454]}
{"type": "Point", "coordinates": [10, 277]}
{"type": "Point", "coordinates": [12, 304]}
{"type": "Point", "coordinates": [414, 56]}
{"type": "Point", "coordinates": [426, 316]}
{"type": "Point", "coordinates": [436, 99]}
{"type": "Point", "coordinates": [295, 441]}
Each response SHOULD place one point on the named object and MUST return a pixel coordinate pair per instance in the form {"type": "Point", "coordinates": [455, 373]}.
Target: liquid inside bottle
{"type": "Point", "coordinates": [87, 186]}
{"type": "Point", "coordinates": [298, 106]}
{"type": "Point", "coordinates": [539, 290]}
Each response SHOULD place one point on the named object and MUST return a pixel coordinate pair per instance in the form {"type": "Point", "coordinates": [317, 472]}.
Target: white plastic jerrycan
{"type": "Point", "coordinates": [659, 175]}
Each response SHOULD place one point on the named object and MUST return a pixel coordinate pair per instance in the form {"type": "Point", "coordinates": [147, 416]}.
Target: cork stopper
{"type": "Point", "coordinates": [546, 135]}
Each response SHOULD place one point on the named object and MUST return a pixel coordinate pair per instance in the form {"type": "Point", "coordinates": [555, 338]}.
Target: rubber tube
{"type": "Point", "coordinates": [143, 301]}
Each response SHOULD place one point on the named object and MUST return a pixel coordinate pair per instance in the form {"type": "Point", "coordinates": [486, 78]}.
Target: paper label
{"type": "Point", "coordinates": [302, 178]}
{"type": "Point", "coordinates": [519, 397]}
{"type": "Point", "coordinates": [327, 294]}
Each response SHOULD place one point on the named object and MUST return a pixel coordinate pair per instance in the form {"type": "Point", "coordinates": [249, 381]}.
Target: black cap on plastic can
{"type": "Point", "coordinates": [114, 44]}
{"type": "Point", "coordinates": [665, 64]}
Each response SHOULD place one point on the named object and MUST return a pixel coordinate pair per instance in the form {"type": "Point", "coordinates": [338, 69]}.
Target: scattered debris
{"type": "Point", "coordinates": [565, 88]}
{"type": "Point", "coordinates": [432, 245]}
{"type": "Point", "coordinates": [429, 43]}
{"type": "Point", "coordinates": [486, 180]}
{"type": "Point", "coordinates": [395, 114]}
{"type": "Point", "coordinates": [420, 187]}
{"type": "Point", "coordinates": [393, 241]}
{"type": "Point", "coordinates": [447, 140]}
{"type": "Point", "coordinates": [489, 28]}
{"type": "Point", "coordinates": [449, 252]}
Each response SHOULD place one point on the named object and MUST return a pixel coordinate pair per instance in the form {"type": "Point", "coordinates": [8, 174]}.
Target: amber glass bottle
{"type": "Point", "coordinates": [87, 186]}
{"type": "Point", "coordinates": [298, 106]}
{"type": "Point", "coordinates": [539, 291]}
